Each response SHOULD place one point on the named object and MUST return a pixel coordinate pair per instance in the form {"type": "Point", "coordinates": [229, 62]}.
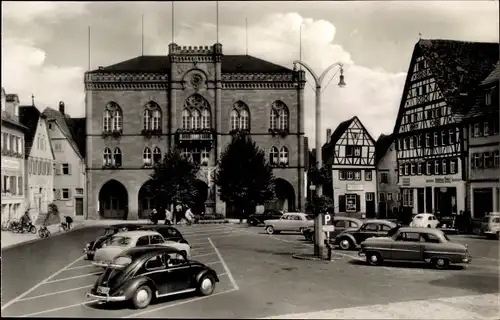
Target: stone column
{"type": "Point", "coordinates": [434, 200]}
{"type": "Point", "coordinates": [133, 204]}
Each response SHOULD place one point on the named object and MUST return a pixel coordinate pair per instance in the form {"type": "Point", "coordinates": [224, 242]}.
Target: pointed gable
{"type": "Point", "coordinates": [382, 145]}
{"type": "Point", "coordinates": [29, 117]}
{"type": "Point", "coordinates": [62, 122]}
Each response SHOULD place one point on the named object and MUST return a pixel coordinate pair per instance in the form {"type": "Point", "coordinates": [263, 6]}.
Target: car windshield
{"type": "Point", "coordinates": [109, 231]}
{"type": "Point", "coordinates": [119, 241]}
{"type": "Point", "coordinates": [308, 217]}
{"type": "Point", "coordinates": [446, 237]}
{"type": "Point", "coordinates": [418, 217]}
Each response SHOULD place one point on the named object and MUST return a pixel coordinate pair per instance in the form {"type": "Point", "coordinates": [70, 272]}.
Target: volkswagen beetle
{"type": "Point", "coordinates": [139, 275]}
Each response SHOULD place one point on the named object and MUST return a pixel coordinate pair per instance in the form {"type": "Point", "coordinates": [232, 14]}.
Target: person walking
{"type": "Point", "coordinates": [154, 216]}
{"type": "Point", "coordinates": [189, 216]}
{"type": "Point", "coordinates": [168, 217]}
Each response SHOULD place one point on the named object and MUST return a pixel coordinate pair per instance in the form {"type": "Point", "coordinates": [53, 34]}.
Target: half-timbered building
{"type": "Point", "coordinates": [350, 153]}
{"type": "Point", "coordinates": [484, 148]}
{"type": "Point", "coordinates": [193, 99]}
{"type": "Point", "coordinates": [431, 148]}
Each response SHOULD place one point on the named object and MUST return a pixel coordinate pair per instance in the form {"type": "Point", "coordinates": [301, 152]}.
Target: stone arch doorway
{"type": "Point", "coordinates": [201, 196]}
{"type": "Point", "coordinates": [285, 196]}
{"type": "Point", "coordinates": [113, 200]}
{"type": "Point", "coordinates": [146, 201]}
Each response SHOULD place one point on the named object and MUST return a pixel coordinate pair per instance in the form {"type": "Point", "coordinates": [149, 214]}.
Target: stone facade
{"type": "Point", "coordinates": [187, 75]}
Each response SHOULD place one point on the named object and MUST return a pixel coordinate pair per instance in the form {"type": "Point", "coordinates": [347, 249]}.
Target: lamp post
{"type": "Point", "coordinates": [318, 223]}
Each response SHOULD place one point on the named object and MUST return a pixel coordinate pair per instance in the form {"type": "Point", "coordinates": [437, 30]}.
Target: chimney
{"type": "Point", "coordinates": [61, 107]}
{"type": "Point", "coordinates": [328, 135]}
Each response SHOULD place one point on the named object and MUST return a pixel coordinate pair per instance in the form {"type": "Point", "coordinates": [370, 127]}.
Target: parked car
{"type": "Point", "coordinates": [340, 223]}
{"type": "Point", "coordinates": [258, 219]}
{"type": "Point", "coordinates": [490, 226]}
{"type": "Point", "coordinates": [424, 220]}
{"type": "Point", "coordinates": [352, 237]}
{"type": "Point", "coordinates": [138, 275]}
{"type": "Point", "coordinates": [126, 240]}
{"type": "Point", "coordinates": [415, 245]}
{"type": "Point", "coordinates": [168, 232]}
{"type": "Point", "coordinates": [293, 221]}
{"type": "Point", "coordinates": [91, 247]}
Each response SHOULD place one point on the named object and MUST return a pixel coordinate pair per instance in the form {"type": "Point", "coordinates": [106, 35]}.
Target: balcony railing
{"type": "Point", "coordinates": [193, 135]}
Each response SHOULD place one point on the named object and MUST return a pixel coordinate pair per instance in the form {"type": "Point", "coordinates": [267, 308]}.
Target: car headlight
{"type": "Point", "coordinates": [87, 245]}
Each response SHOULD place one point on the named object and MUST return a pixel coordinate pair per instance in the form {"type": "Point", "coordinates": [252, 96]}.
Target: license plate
{"type": "Point", "coordinates": [103, 290]}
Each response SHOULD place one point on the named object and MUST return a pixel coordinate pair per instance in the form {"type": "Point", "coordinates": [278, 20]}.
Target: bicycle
{"type": "Point", "coordinates": [5, 225]}
{"type": "Point", "coordinates": [27, 227]}
{"type": "Point", "coordinates": [43, 232]}
{"type": "Point", "coordinates": [13, 226]}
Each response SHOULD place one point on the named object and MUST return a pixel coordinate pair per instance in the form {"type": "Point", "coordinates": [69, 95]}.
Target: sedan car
{"type": "Point", "coordinates": [258, 219]}
{"type": "Point", "coordinates": [340, 223]}
{"type": "Point", "coordinates": [168, 232]}
{"type": "Point", "coordinates": [415, 245]}
{"type": "Point", "coordinates": [126, 240]}
{"type": "Point", "coordinates": [424, 220]}
{"type": "Point", "coordinates": [350, 238]}
{"type": "Point", "coordinates": [139, 275]}
{"type": "Point", "coordinates": [295, 221]}
{"type": "Point", "coordinates": [92, 246]}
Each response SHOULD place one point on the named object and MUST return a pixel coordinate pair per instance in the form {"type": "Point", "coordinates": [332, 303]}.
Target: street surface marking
{"type": "Point", "coordinates": [58, 309]}
{"type": "Point", "coordinates": [222, 274]}
{"type": "Point", "coordinates": [53, 293]}
{"type": "Point", "coordinates": [206, 230]}
{"type": "Point", "coordinates": [178, 303]}
{"type": "Point", "coordinates": [210, 263]}
{"type": "Point", "coordinates": [203, 255]}
{"type": "Point", "coordinates": [80, 267]}
{"type": "Point", "coordinates": [441, 308]}
{"type": "Point", "coordinates": [487, 258]}
{"type": "Point", "coordinates": [22, 295]}
{"type": "Point", "coordinates": [233, 234]}
{"type": "Point", "coordinates": [206, 234]}
{"type": "Point", "coordinates": [235, 285]}
{"type": "Point", "coordinates": [75, 277]}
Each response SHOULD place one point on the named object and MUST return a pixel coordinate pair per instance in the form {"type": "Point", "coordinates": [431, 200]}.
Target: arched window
{"type": "Point", "coordinates": [146, 156]}
{"type": "Point", "coordinates": [117, 120]}
{"type": "Point", "coordinates": [117, 155]}
{"type": "Point", "coordinates": [107, 156]}
{"type": "Point", "coordinates": [273, 156]}
{"type": "Point", "coordinates": [284, 155]}
{"type": "Point", "coordinates": [279, 116]}
{"type": "Point", "coordinates": [195, 119]}
{"type": "Point", "coordinates": [186, 115]}
{"type": "Point", "coordinates": [235, 119]}
{"type": "Point", "coordinates": [157, 155]}
{"type": "Point", "coordinates": [244, 119]}
{"type": "Point", "coordinates": [205, 119]}
{"type": "Point", "coordinates": [147, 119]}
{"type": "Point", "coordinates": [273, 119]}
{"type": "Point", "coordinates": [156, 120]}
{"type": "Point", "coordinates": [107, 120]}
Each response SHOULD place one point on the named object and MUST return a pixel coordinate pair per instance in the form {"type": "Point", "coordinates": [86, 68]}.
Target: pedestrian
{"type": "Point", "coordinates": [168, 217]}
{"type": "Point", "coordinates": [154, 216]}
{"type": "Point", "coordinates": [189, 216]}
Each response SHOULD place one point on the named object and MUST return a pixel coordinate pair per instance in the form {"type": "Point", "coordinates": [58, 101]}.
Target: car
{"type": "Point", "coordinates": [90, 247]}
{"type": "Point", "coordinates": [340, 223]}
{"type": "Point", "coordinates": [125, 240]}
{"type": "Point", "coordinates": [415, 245]}
{"type": "Point", "coordinates": [490, 225]}
{"type": "Point", "coordinates": [139, 275]}
{"type": "Point", "coordinates": [258, 219]}
{"type": "Point", "coordinates": [424, 220]}
{"type": "Point", "coordinates": [168, 232]}
{"type": "Point", "coordinates": [352, 237]}
{"type": "Point", "coordinates": [292, 221]}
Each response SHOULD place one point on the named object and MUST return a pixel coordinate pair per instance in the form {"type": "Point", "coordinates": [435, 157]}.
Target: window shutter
{"type": "Point", "coordinates": [358, 204]}
{"type": "Point", "coordinates": [57, 194]}
{"type": "Point", "coordinates": [69, 193]}
{"type": "Point", "coordinates": [58, 169]}
{"type": "Point", "coordinates": [341, 203]}
{"type": "Point", "coordinates": [69, 169]}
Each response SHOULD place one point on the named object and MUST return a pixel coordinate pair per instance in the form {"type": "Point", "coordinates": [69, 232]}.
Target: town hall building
{"type": "Point", "coordinates": [193, 100]}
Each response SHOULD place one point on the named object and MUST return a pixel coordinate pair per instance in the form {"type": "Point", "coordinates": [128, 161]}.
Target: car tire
{"type": "Point", "coordinates": [142, 297]}
{"type": "Point", "coordinates": [269, 229]}
{"type": "Point", "coordinates": [345, 243]}
{"type": "Point", "coordinates": [374, 258]}
{"type": "Point", "coordinates": [441, 263]}
{"type": "Point", "coordinates": [498, 235]}
{"type": "Point", "coordinates": [90, 257]}
{"type": "Point", "coordinates": [207, 285]}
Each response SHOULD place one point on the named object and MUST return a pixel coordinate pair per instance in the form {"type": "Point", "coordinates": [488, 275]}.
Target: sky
{"type": "Point", "coordinates": [45, 45]}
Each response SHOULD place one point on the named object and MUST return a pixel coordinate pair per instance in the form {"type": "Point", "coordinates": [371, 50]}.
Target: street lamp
{"type": "Point", "coordinates": [318, 223]}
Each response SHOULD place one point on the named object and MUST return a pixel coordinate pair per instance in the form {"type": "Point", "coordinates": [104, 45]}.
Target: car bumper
{"type": "Point", "coordinates": [88, 251]}
{"type": "Point", "coordinates": [488, 233]}
{"type": "Point", "coordinates": [106, 298]}
{"type": "Point", "coordinates": [100, 264]}
{"type": "Point", "coordinates": [361, 253]}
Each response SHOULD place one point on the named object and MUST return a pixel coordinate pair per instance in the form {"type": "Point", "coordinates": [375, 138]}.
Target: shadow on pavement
{"type": "Point", "coordinates": [125, 305]}
{"type": "Point", "coordinates": [408, 265]}
{"type": "Point", "coordinates": [109, 306]}
{"type": "Point", "coordinates": [276, 253]}
{"type": "Point", "coordinates": [482, 284]}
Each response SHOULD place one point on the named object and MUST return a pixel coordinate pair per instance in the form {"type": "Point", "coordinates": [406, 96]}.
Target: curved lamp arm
{"type": "Point", "coordinates": [316, 79]}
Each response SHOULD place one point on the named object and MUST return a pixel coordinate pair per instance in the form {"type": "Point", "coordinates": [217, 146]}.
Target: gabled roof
{"type": "Point", "coordinates": [29, 117]}
{"type": "Point", "coordinates": [493, 77]}
{"type": "Point", "coordinates": [339, 131]}
{"type": "Point", "coordinates": [458, 67]}
{"type": "Point", "coordinates": [382, 145]}
{"type": "Point", "coordinates": [161, 64]}
{"type": "Point", "coordinates": [77, 127]}
{"type": "Point", "coordinates": [60, 119]}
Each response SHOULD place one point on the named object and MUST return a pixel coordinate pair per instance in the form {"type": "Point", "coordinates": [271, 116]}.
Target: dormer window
{"type": "Point", "coordinates": [487, 98]}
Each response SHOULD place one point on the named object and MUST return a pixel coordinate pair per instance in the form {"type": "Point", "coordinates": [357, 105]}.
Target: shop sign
{"type": "Point", "coordinates": [10, 164]}
{"type": "Point", "coordinates": [405, 182]}
{"type": "Point", "coordinates": [355, 187]}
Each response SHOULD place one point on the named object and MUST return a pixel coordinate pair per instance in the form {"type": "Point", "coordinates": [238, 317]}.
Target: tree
{"type": "Point", "coordinates": [321, 204]}
{"type": "Point", "coordinates": [244, 177]}
{"type": "Point", "coordinates": [173, 180]}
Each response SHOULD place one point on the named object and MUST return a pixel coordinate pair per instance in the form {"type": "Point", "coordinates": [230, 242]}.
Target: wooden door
{"type": "Point", "coordinates": [79, 206]}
